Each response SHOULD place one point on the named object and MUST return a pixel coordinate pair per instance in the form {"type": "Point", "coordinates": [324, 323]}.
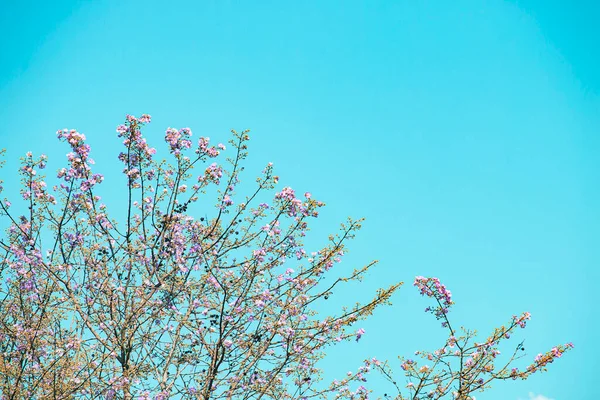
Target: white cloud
{"type": "Point", "coordinates": [538, 397]}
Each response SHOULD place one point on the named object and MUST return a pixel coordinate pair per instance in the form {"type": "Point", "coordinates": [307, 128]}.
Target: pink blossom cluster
{"type": "Point", "coordinates": [87, 184]}
{"type": "Point", "coordinates": [407, 365]}
{"type": "Point", "coordinates": [522, 320]}
{"type": "Point", "coordinates": [227, 200]}
{"type": "Point", "coordinates": [213, 173]}
{"type": "Point", "coordinates": [287, 193]}
{"type": "Point", "coordinates": [139, 153]}
{"type": "Point", "coordinates": [178, 140]}
{"type": "Point", "coordinates": [542, 360]}
{"type": "Point", "coordinates": [295, 206]}
{"type": "Point", "coordinates": [78, 158]}
{"type": "Point", "coordinates": [103, 221]}
{"type": "Point", "coordinates": [203, 148]}
{"type": "Point", "coordinates": [145, 119]}
{"type": "Point", "coordinates": [259, 254]}
{"type": "Point", "coordinates": [36, 187]}
{"type": "Point", "coordinates": [432, 287]}
{"type": "Point", "coordinates": [361, 392]}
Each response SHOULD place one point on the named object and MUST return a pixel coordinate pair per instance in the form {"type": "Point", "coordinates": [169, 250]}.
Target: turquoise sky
{"type": "Point", "coordinates": [466, 132]}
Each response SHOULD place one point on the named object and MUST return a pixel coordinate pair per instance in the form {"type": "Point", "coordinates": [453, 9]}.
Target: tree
{"type": "Point", "coordinates": [169, 304]}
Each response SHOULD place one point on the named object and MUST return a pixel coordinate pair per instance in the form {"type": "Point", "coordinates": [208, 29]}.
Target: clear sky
{"type": "Point", "coordinates": [466, 132]}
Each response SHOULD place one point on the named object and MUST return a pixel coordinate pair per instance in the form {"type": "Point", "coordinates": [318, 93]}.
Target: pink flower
{"type": "Point", "coordinates": [178, 139]}
{"type": "Point", "coordinates": [259, 254]}
{"type": "Point", "coordinates": [522, 320]}
{"type": "Point", "coordinates": [287, 193]}
{"type": "Point", "coordinates": [359, 334]}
